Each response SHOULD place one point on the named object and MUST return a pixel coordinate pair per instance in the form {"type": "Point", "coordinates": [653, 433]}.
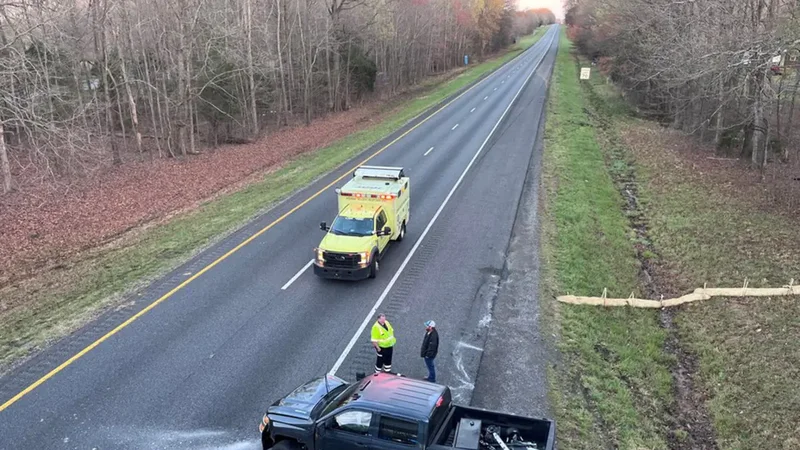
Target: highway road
{"type": "Point", "coordinates": [198, 369]}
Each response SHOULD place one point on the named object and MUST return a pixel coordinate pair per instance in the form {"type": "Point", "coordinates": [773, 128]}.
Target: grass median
{"type": "Point", "coordinates": [612, 387]}
{"type": "Point", "coordinates": [60, 301]}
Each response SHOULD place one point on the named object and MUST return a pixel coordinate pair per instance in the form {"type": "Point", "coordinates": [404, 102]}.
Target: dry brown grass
{"type": "Point", "coordinates": [715, 221]}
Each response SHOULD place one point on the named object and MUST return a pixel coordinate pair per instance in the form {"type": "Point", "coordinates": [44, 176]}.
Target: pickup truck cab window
{"type": "Point", "coordinates": [353, 421]}
{"type": "Point", "coordinates": [398, 430]}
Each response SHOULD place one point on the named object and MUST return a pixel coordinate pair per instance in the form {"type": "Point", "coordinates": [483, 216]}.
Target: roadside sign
{"type": "Point", "coordinates": [585, 71]}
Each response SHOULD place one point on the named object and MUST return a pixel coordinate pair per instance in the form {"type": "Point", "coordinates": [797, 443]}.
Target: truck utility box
{"type": "Point", "coordinates": [468, 434]}
{"type": "Point", "coordinates": [373, 209]}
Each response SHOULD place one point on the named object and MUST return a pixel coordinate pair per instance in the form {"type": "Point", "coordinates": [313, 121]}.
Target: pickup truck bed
{"type": "Point", "coordinates": [540, 432]}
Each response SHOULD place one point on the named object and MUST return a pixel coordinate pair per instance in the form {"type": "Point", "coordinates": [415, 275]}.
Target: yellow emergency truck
{"type": "Point", "coordinates": [373, 210]}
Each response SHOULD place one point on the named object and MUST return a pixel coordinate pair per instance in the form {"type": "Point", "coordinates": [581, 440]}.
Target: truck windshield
{"type": "Point", "coordinates": [340, 399]}
{"type": "Point", "coordinates": [348, 226]}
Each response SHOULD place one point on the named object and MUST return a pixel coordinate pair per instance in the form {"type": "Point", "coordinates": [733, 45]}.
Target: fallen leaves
{"type": "Point", "coordinates": [43, 225]}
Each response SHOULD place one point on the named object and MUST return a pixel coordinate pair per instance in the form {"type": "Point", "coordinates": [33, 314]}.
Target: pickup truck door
{"type": "Point", "coordinates": [346, 430]}
{"type": "Point", "coordinates": [381, 222]}
{"type": "Point", "coordinates": [395, 433]}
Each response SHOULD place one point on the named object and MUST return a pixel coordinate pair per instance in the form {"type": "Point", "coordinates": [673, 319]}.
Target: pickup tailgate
{"type": "Point", "coordinates": [466, 426]}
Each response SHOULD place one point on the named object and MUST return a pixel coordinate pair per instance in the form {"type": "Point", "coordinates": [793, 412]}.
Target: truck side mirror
{"type": "Point", "coordinates": [387, 231]}
{"type": "Point", "coordinates": [327, 423]}
{"type": "Point", "coordinates": [323, 226]}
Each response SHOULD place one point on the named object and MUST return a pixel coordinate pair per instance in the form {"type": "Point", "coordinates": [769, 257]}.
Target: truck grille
{"type": "Point", "coordinates": [341, 260]}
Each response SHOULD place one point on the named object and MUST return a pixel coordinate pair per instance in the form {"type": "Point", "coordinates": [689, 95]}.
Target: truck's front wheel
{"type": "Point", "coordinates": [287, 445]}
{"type": "Point", "coordinates": [373, 270]}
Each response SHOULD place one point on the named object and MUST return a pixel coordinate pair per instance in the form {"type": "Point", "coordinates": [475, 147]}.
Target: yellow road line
{"type": "Point", "coordinates": [205, 269]}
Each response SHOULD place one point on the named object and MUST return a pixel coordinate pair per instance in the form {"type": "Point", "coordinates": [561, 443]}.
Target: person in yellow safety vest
{"type": "Point", "coordinates": [383, 340]}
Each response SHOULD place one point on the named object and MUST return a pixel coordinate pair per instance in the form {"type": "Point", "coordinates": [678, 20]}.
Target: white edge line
{"type": "Point", "coordinates": [297, 275]}
{"type": "Point", "coordinates": [429, 150]}
{"type": "Point", "coordinates": [397, 274]}
{"type": "Point", "coordinates": [454, 127]}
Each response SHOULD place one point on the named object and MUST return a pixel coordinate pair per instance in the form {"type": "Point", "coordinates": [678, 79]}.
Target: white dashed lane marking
{"type": "Point", "coordinates": [297, 275]}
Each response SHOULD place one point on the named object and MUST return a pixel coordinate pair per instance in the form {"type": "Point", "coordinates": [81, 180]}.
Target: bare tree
{"type": "Point", "coordinates": [79, 78]}
{"type": "Point", "coordinates": [699, 65]}
{"type": "Point", "coordinates": [4, 164]}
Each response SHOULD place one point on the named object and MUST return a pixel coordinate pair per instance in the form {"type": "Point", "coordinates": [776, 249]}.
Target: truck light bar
{"type": "Point", "coordinates": [384, 172]}
{"type": "Point", "coordinates": [360, 195]}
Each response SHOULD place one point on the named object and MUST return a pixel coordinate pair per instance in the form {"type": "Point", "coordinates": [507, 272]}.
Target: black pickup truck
{"type": "Point", "coordinates": [392, 412]}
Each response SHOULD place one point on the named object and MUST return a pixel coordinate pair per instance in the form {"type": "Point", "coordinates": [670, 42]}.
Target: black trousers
{"type": "Point", "coordinates": [384, 360]}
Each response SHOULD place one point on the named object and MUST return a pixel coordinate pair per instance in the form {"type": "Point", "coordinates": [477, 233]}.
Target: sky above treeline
{"type": "Point", "coordinates": [553, 5]}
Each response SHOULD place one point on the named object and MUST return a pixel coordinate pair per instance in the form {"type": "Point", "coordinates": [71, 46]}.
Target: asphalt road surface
{"type": "Point", "coordinates": [199, 369]}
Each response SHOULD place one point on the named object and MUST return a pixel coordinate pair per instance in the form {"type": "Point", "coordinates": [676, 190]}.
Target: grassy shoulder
{"type": "Point", "coordinates": [612, 388]}
{"type": "Point", "coordinates": [60, 301]}
{"type": "Point", "coordinates": [711, 222]}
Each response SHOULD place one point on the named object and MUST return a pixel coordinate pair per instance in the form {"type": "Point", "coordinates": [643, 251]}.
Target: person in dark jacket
{"type": "Point", "coordinates": [430, 347]}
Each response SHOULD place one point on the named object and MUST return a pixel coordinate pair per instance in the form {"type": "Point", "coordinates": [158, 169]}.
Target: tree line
{"type": "Point", "coordinates": [83, 83]}
{"type": "Point", "coordinates": [723, 70]}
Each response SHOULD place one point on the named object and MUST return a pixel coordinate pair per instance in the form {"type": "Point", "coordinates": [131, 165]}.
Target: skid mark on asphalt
{"type": "Point", "coordinates": [469, 348]}
{"type": "Point", "coordinates": [465, 384]}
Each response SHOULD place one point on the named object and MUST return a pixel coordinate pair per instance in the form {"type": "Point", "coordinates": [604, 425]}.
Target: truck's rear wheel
{"type": "Point", "coordinates": [402, 232]}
